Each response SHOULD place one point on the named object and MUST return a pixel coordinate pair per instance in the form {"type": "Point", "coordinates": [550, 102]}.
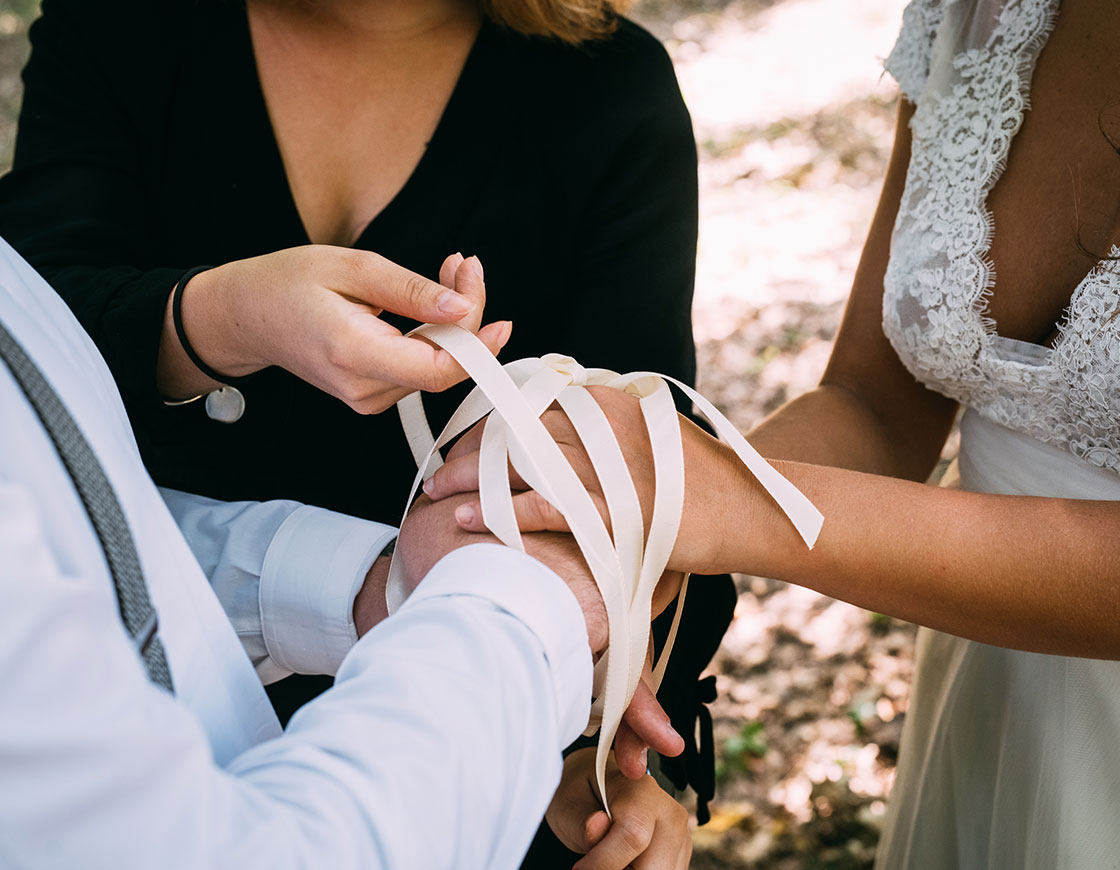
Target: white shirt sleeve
{"type": "Point", "coordinates": [439, 746]}
{"type": "Point", "coordinates": [286, 575]}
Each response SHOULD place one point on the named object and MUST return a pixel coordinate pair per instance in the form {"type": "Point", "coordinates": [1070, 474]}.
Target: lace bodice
{"type": "Point", "coordinates": [967, 65]}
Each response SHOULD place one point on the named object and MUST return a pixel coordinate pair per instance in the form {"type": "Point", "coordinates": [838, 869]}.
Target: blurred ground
{"type": "Point", "coordinates": [794, 119]}
{"type": "Point", "coordinates": [15, 15]}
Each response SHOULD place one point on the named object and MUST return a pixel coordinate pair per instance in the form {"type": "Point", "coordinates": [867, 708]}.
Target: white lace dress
{"type": "Point", "coordinates": [1009, 759]}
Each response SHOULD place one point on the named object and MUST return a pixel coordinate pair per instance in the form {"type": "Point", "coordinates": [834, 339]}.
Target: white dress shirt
{"type": "Point", "coordinates": [438, 746]}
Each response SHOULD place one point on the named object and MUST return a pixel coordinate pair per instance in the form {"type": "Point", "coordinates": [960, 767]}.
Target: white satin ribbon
{"type": "Point", "coordinates": [627, 568]}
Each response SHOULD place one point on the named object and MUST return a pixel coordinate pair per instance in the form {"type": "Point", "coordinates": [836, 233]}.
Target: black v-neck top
{"type": "Point", "coordinates": [145, 148]}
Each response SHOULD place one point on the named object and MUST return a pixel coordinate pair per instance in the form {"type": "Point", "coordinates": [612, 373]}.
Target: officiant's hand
{"type": "Point", "coordinates": [314, 311]}
{"type": "Point", "coordinates": [713, 501]}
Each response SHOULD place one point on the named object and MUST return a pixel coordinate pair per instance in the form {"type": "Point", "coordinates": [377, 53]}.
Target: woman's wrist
{"type": "Point", "coordinates": [212, 319]}
{"type": "Point", "coordinates": [181, 332]}
{"type": "Point", "coordinates": [776, 549]}
{"type": "Point", "coordinates": [719, 504]}
{"type": "Point", "coordinates": [740, 528]}
{"type": "Point", "coordinates": [218, 320]}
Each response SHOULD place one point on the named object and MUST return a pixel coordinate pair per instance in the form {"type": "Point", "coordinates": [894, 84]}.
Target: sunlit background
{"type": "Point", "coordinates": [793, 118]}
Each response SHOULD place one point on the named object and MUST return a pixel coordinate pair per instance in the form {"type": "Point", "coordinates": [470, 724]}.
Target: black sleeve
{"type": "Point", "coordinates": [74, 204]}
{"type": "Point", "coordinates": [635, 242]}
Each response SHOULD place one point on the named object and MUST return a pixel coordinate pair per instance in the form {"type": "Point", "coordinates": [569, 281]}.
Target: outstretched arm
{"type": "Point", "coordinates": [1028, 573]}
{"type": "Point", "coordinates": [287, 575]}
{"type": "Point", "coordinates": [438, 747]}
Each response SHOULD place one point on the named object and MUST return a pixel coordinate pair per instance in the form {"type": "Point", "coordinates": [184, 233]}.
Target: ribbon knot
{"type": "Point", "coordinates": [565, 365]}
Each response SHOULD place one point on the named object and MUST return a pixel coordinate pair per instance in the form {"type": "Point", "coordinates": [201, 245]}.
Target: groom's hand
{"type": "Point", "coordinates": [369, 604]}
{"type": "Point", "coordinates": [430, 532]}
{"type": "Point", "coordinates": [561, 553]}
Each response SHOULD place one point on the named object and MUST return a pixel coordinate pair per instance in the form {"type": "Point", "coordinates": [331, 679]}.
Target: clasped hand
{"type": "Point", "coordinates": [430, 532]}
{"type": "Point", "coordinates": [648, 824]}
{"type": "Point", "coordinates": [712, 504]}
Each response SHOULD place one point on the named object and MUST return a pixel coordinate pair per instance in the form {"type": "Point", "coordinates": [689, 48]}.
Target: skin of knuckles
{"type": "Point", "coordinates": [430, 532]}
{"type": "Point", "coordinates": [709, 464]}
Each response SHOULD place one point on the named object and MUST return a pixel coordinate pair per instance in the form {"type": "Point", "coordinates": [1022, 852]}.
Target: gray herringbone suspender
{"type": "Point", "coordinates": [101, 504]}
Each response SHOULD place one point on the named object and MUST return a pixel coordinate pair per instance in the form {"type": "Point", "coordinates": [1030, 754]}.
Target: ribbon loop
{"type": "Point", "coordinates": [627, 565]}
{"type": "Point", "coordinates": [567, 366]}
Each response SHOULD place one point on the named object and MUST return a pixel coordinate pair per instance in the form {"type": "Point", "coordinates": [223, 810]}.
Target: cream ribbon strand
{"type": "Point", "coordinates": [627, 568]}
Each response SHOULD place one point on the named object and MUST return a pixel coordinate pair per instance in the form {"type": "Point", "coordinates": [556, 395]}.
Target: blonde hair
{"type": "Point", "coordinates": [571, 21]}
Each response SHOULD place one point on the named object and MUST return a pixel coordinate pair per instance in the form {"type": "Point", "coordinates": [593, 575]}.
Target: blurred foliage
{"type": "Point", "coordinates": [24, 9]}
{"type": "Point", "coordinates": [840, 834]}
{"type": "Point", "coordinates": [15, 17]}
{"type": "Point", "coordinates": [861, 714]}
{"type": "Point", "coordinates": [740, 749]}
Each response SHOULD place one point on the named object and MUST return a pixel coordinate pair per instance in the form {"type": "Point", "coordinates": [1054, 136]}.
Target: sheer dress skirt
{"type": "Point", "coordinates": [1009, 759]}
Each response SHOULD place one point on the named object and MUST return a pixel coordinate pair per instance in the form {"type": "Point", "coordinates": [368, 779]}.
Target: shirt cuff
{"type": "Point", "coordinates": [312, 572]}
{"type": "Point", "coordinates": [534, 594]}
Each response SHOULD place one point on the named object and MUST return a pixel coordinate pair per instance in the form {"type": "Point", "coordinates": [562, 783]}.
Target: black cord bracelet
{"type": "Point", "coordinates": [177, 319]}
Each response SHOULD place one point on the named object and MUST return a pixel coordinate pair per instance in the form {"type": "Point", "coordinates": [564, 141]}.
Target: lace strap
{"type": "Point", "coordinates": [909, 60]}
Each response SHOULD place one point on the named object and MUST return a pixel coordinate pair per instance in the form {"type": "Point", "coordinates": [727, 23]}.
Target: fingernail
{"type": "Point", "coordinates": [454, 304]}
{"type": "Point", "coordinates": [475, 265]}
{"type": "Point", "coordinates": [429, 485]}
{"type": "Point", "coordinates": [507, 331]}
{"type": "Point", "coordinates": [464, 514]}
{"type": "Point", "coordinates": [672, 732]}
{"type": "Point", "coordinates": [645, 758]}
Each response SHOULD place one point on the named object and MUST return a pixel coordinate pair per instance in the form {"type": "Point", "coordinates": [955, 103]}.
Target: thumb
{"type": "Point", "coordinates": [594, 829]}
{"type": "Point", "coordinates": [570, 819]}
{"type": "Point", "coordinates": [470, 285]}
{"type": "Point", "coordinates": [650, 723]}
{"type": "Point", "coordinates": [447, 270]}
{"type": "Point", "coordinates": [381, 283]}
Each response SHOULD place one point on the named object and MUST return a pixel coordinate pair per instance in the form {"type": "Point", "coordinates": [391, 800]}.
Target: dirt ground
{"type": "Point", "coordinates": [793, 117]}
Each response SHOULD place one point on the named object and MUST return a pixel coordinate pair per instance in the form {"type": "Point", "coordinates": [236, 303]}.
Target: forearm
{"type": "Point", "coordinates": [176, 375]}
{"type": "Point", "coordinates": [455, 692]}
{"type": "Point", "coordinates": [454, 706]}
{"type": "Point", "coordinates": [1037, 574]}
{"type": "Point", "coordinates": [222, 326]}
{"type": "Point", "coordinates": [294, 580]}
{"type": "Point", "coordinates": [832, 426]}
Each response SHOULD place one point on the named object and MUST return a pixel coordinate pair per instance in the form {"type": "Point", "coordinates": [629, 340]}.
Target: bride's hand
{"type": "Point", "coordinates": [713, 475]}
{"type": "Point", "coordinates": [314, 311]}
